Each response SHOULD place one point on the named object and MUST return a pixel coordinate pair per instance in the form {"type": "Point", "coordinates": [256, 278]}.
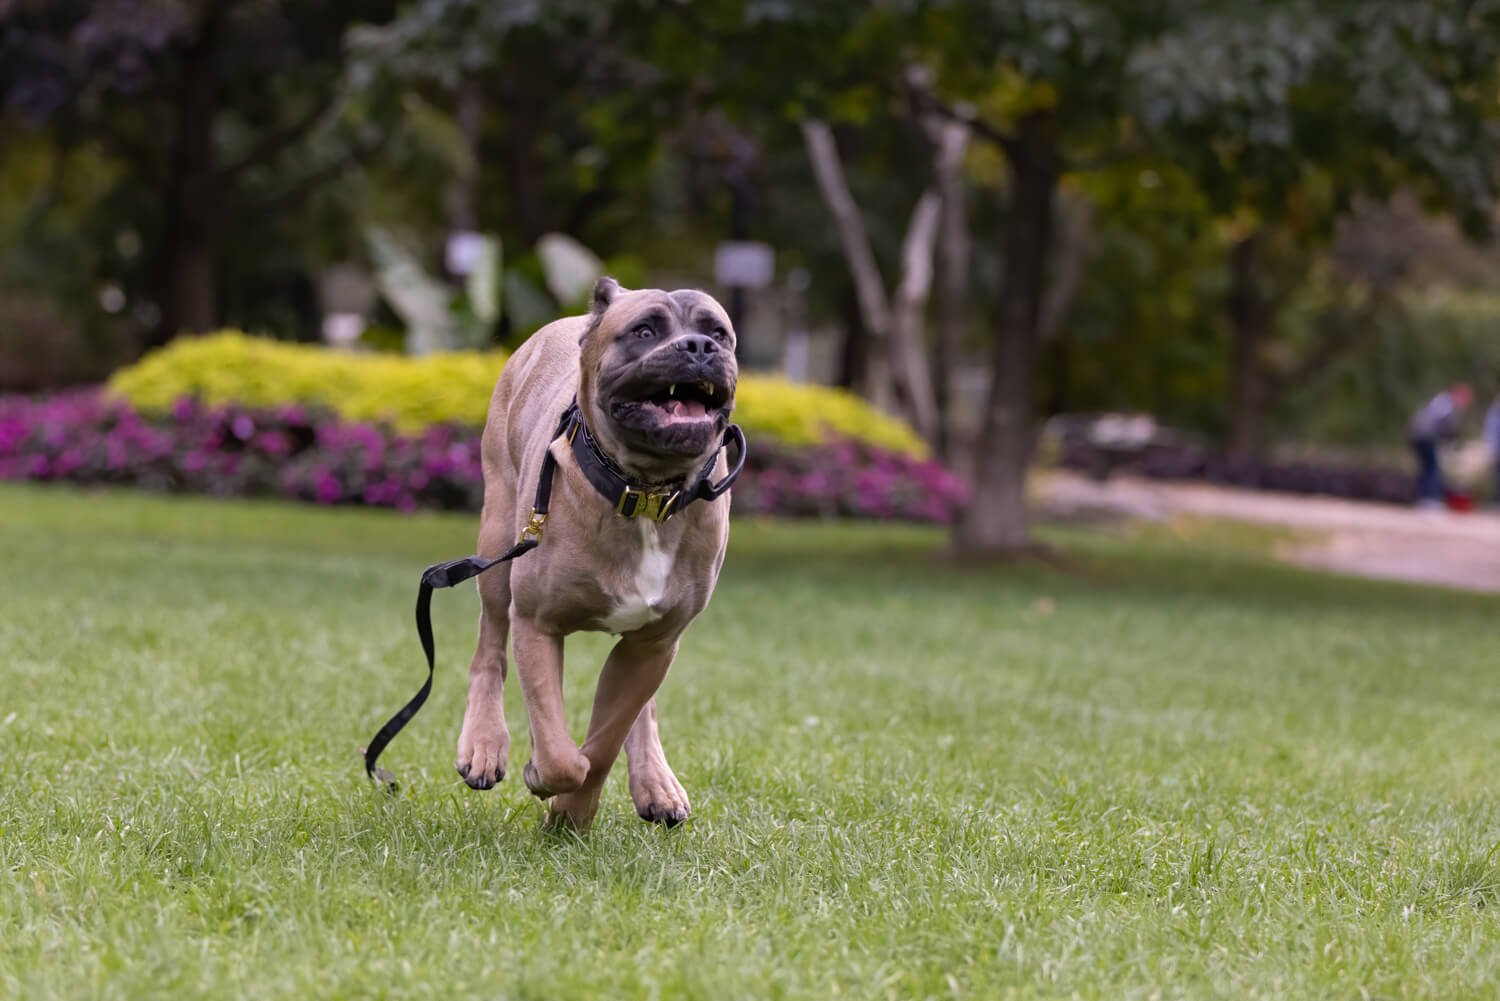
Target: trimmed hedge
{"type": "Point", "coordinates": [411, 394]}
{"type": "Point", "coordinates": [235, 369]}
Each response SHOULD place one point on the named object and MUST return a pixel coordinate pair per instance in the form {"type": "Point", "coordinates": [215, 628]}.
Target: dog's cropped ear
{"type": "Point", "coordinates": [605, 290]}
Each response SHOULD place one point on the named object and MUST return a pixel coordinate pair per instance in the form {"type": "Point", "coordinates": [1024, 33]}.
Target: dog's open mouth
{"type": "Point", "coordinates": [685, 402]}
{"type": "Point", "coordinates": [675, 418]}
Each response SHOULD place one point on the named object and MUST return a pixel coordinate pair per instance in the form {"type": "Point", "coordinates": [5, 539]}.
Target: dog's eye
{"type": "Point", "coordinates": [644, 330]}
{"type": "Point", "coordinates": [720, 333]}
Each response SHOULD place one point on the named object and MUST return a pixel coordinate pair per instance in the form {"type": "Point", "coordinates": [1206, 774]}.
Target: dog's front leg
{"type": "Point", "coordinates": [631, 675]}
{"type": "Point", "coordinates": [484, 741]}
{"type": "Point", "coordinates": [556, 764]}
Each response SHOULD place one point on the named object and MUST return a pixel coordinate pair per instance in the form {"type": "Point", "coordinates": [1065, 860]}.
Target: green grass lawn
{"type": "Point", "coordinates": [1161, 766]}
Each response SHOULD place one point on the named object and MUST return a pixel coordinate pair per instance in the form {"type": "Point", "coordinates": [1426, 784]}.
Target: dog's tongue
{"type": "Point", "coordinates": [684, 409]}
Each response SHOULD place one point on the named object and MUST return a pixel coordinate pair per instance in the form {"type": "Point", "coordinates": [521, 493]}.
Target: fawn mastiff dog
{"type": "Point", "coordinates": [627, 551]}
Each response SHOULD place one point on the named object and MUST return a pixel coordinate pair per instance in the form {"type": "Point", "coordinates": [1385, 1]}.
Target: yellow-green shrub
{"type": "Point", "coordinates": [412, 393]}
{"type": "Point", "coordinates": [230, 367]}
{"type": "Point", "coordinates": [800, 414]}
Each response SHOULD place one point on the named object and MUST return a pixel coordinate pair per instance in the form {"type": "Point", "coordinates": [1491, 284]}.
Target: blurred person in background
{"type": "Point", "coordinates": [1436, 422]}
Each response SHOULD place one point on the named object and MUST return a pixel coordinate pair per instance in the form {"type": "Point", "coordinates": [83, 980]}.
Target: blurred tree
{"type": "Point", "coordinates": [559, 116]}
{"type": "Point", "coordinates": [1145, 331]}
{"type": "Point", "coordinates": [1047, 83]}
{"type": "Point", "coordinates": [205, 101]}
{"type": "Point", "coordinates": [1284, 113]}
{"type": "Point", "coordinates": [893, 320]}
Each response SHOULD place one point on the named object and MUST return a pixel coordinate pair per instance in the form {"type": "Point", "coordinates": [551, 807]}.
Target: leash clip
{"type": "Point", "coordinates": [533, 527]}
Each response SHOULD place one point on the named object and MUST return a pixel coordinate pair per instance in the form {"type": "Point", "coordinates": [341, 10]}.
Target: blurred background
{"type": "Point", "coordinates": [1240, 243]}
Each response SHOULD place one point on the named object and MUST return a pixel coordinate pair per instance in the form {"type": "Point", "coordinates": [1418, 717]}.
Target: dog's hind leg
{"type": "Point", "coordinates": [654, 789]}
{"type": "Point", "coordinates": [627, 683]}
{"type": "Point", "coordinates": [484, 741]}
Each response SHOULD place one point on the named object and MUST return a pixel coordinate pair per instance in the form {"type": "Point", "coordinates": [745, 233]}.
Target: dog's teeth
{"type": "Point", "coordinates": [708, 388]}
{"type": "Point", "coordinates": [673, 390]}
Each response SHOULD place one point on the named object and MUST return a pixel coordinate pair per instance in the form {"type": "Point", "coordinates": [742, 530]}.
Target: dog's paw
{"type": "Point", "coordinates": [573, 811]}
{"type": "Point", "coordinates": [482, 762]}
{"type": "Point", "coordinates": [553, 778]}
{"type": "Point", "coordinates": [660, 798]}
{"type": "Point", "coordinates": [480, 779]}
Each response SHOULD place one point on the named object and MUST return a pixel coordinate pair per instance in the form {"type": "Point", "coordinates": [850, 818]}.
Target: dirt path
{"type": "Point", "coordinates": [1369, 540]}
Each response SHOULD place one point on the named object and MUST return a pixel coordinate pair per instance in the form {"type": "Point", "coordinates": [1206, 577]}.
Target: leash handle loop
{"type": "Point", "coordinates": [438, 575]}
{"type": "Point", "coordinates": [735, 437]}
{"type": "Point", "coordinates": [447, 575]}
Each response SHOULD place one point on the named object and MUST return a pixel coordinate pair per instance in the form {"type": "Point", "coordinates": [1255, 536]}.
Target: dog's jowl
{"type": "Point", "coordinates": [626, 550]}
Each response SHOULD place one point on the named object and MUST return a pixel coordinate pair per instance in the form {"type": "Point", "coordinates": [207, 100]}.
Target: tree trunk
{"type": "Point", "coordinates": [522, 135]}
{"type": "Point", "coordinates": [191, 195]}
{"type": "Point", "coordinates": [996, 520]}
{"type": "Point", "coordinates": [1074, 240]}
{"type": "Point", "coordinates": [908, 345]}
{"type": "Point", "coordinates": [953, 286]}
{"type": "Point", "coordinates": [854, 350]}
{"type": "Point", "coordinates": [949, 138]}
{"type": "Point", "coordinates": [463, 191]}
{"type": "Point", "coordinates": [192, 305]}
{"type": "Point", "coordinates": [1247, 329]}
{"type": "Point", "coordinates": [869, 287]}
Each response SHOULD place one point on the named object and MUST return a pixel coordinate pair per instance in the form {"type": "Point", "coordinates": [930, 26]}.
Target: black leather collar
{"type": "Point", "coordinates": [654, 501]}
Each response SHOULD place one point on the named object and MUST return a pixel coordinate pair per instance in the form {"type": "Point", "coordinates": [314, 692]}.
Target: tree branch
{"type": "Point", "coordinates": [306, 185]}
{"type": "Point", "coordinates": [949, 140]}
{"type": "Point", "coordinates": [916, 250]}
{"type": "Point", "coordinates": [828, 169]}
{"type": "Point", "coordinates": [275, 141]}
{"type": "Point", "coordinates": [1073, 251]}
{"type": "Point", "coordinates": [1113, 158]}
{"type": "Point", "coordinates": [911, 296]}
{"type": "Point", "coordinates": [1339, 331]}
{"type": "Point", "coordinates": [141, 154]}
{"type": "Point", "coordinates": [964, 114]}
{"type": "Point", "coordinates": [869, 287]}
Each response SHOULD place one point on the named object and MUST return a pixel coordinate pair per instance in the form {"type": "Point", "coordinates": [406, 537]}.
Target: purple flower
{"type": "Point", "coordinates": [326, 489]}
{"type": "Point", "coordinates": [290, 451]}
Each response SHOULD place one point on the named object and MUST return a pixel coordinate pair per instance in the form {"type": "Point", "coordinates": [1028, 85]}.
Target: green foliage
{"type": "Point", "coordinates": [1430, 340]}
{"type": "Point", "coordinates": [606, 121]}
{"type": "Point", "coordinates": [1161, 765]}
{"type": "Point", "coordinates": [455, 386]}
{"type": "Point", "coordinates": [1258, 99]}
{"type": "Point", "coordinates": [1146, 331]}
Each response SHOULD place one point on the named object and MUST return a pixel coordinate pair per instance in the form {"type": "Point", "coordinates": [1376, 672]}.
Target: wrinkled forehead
{"type": "Point", "coordinates": [693, 303]}
{"type": "Point", "coordinates": [689, 307]}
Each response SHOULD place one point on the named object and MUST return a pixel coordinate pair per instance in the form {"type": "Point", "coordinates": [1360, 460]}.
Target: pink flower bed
{"type": "Point", "coordinates": [85, 438]}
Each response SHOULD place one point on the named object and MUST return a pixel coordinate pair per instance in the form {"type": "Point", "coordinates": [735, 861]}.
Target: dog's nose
{"type": "Point", "coordinates": [696, 344]}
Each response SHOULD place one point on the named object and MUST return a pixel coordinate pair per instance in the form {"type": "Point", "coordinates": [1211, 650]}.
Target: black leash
{"type": "Point", "coordinates": [446, 575]}
{"type": "Point", "coordinates": [457, 571]}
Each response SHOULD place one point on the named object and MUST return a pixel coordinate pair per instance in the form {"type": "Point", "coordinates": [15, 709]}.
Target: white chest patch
{"type": "Point", "coordinates": [639, 602]}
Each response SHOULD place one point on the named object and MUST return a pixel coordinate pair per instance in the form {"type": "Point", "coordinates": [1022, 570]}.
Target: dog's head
{"type": "Point", "coordinates": [658, 377]}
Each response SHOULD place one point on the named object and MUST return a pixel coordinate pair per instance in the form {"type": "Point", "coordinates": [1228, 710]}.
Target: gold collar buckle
{"type": "Point", "coordinates": [655, 505]}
